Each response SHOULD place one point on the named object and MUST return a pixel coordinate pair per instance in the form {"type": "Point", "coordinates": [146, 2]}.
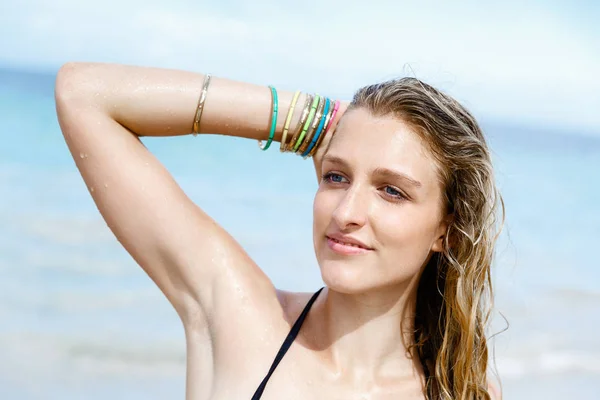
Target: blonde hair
{"type": "Point", "coordinates": [454, 296]}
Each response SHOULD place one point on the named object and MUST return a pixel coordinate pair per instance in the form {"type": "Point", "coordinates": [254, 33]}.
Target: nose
{"type": "Point", "coordinates": [352, 210]}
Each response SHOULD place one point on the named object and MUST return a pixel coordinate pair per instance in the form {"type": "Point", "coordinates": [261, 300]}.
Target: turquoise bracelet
{"type": "Point", "coordinates": [319, 129]}
{"type": "Point", "coordinates": [273, 120]}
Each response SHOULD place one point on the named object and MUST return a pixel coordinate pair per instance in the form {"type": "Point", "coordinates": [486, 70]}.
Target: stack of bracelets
{"type": "Point", "coordinates": [315, 122]}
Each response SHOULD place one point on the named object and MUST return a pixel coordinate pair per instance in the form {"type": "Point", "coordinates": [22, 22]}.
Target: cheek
{"type": "Point", "coordinates": [321, 212]}
{"type": "Point", "coordinates": [405, 246]}
{"type": "Point", "coordinates": [404, 230]}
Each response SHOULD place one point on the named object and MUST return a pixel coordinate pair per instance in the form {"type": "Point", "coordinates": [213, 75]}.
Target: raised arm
{"type": "Point", "coordinates": [102, 110]}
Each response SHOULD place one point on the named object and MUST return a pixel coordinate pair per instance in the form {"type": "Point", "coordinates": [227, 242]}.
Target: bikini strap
{"type": "Point", "coordinates": [286, 344]}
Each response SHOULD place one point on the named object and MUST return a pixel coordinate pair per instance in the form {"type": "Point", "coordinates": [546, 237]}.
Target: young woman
{"type": "Point", "coordinates": [404, 231]}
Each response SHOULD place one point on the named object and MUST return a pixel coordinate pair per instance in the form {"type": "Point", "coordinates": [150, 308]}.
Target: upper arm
{"type": "Point", "coordinates": [195, 262]}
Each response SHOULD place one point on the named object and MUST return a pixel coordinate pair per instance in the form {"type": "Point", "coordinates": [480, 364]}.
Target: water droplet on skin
{"type": "Point", "coordinates": [83, 155]}
{"type": "Point", "coordinates": [92, 189]}
{"type": "Point", "coordinates": [106, 185]}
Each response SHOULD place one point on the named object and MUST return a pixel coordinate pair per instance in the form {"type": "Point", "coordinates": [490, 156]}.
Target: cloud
{"type": "Point", "coordinates": [504, 61]}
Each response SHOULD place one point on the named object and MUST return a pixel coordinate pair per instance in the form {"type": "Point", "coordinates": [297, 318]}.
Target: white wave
{"type": "Point", "coordinates": [61, 301]}
{"type": "Point", "coordinates": [34, 356]}
{"type": "Point", "coordinates": [552, 362]}
{"type": "Point", "coordinates": [72, 230]}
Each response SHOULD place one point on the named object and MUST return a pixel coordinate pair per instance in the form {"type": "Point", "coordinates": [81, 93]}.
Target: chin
{"type": "Point", "coordinates": [344, 276]}
{"type": "Point", "coordinates": [354, 276]}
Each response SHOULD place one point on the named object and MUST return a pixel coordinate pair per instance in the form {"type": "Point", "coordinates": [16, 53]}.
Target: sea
{"type": "Point", "coordinates": [80, 320]}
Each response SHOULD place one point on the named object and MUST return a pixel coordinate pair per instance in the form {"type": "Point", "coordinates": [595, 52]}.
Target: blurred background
{"type": "Point", "coordinates": [80, 320]}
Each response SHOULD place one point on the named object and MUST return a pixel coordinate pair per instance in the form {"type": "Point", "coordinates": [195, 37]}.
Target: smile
{"type": "Point", "coordinates": [345, 248]}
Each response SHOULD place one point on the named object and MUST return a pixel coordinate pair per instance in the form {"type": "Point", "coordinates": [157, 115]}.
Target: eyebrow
{"type": "Point", "coordinates": [378, 171]}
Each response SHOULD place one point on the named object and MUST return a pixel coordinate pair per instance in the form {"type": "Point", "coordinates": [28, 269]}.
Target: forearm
{"type": "Point", "coordinates": [163, 102]}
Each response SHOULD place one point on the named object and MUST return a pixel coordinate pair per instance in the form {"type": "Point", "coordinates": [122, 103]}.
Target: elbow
{"type": "Point", "coordinates": [75, 82]}
{"type": "Point", "coordinates": [74, 92]}
{"type": "Point", "coordinates": [65, 86]}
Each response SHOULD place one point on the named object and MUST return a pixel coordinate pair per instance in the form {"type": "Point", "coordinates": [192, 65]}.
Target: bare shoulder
{"type": "Point", "coordinates": [250, 329]}
{"type": "Point", "coordinates": [293, 303]}
{"type": "Point", "coordinates": [494, 390]}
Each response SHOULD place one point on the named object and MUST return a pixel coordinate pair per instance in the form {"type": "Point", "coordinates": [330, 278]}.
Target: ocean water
{"type": "Point", "coordinates": [79, 319]}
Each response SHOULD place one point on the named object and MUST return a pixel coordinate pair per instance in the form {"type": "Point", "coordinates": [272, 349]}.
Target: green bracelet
{"type": "Point", "coordinates": [273, 120]}
{"type": "Point", "coordinates": [313, 109]}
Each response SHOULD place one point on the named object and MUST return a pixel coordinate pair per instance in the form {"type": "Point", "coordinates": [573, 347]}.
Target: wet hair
{"type": "Point", "coordinates": [454, 295]}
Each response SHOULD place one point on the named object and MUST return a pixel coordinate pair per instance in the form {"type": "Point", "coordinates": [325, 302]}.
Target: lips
{"type": "Point", "coordinates": [348, 241]}
{"type": "Point", "coordinates": [345, 248]}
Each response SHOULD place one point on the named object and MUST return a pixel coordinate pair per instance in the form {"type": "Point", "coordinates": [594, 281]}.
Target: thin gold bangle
{"type": "Point", "coordinates": [325, 132]}
{"type": "Point", "coordinates": [288, 119]}
{"type": "Point", "coordinates": [315, 124]}
{"type": "Point", "coordinates": [298, 130]}
{"type": "Point", "coordinates": [196, 126]}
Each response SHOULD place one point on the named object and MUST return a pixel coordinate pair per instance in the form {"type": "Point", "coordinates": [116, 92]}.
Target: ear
{"type": "Point", "coordinates": [438, 244]}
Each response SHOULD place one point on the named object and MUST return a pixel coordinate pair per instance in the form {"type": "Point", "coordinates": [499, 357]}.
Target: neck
{"type": "Point", "coordinates": [365, 337]}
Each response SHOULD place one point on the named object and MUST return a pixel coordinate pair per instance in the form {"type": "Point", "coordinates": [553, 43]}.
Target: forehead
{"type": "Point", "coordinates": [368, 142]}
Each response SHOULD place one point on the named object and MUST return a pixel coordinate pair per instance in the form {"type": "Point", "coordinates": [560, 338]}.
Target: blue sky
{"type": "Point", "coordinates": [535, 62]}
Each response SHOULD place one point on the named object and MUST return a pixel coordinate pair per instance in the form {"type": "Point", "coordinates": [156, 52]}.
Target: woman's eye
{"type": "Point", "coordinates": [393, 192]}
{"type": "Point", "coordinates": [333, 177]}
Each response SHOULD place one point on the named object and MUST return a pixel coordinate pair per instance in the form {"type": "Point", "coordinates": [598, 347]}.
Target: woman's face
{"type": "Point", "coordinates": [380, 186]}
